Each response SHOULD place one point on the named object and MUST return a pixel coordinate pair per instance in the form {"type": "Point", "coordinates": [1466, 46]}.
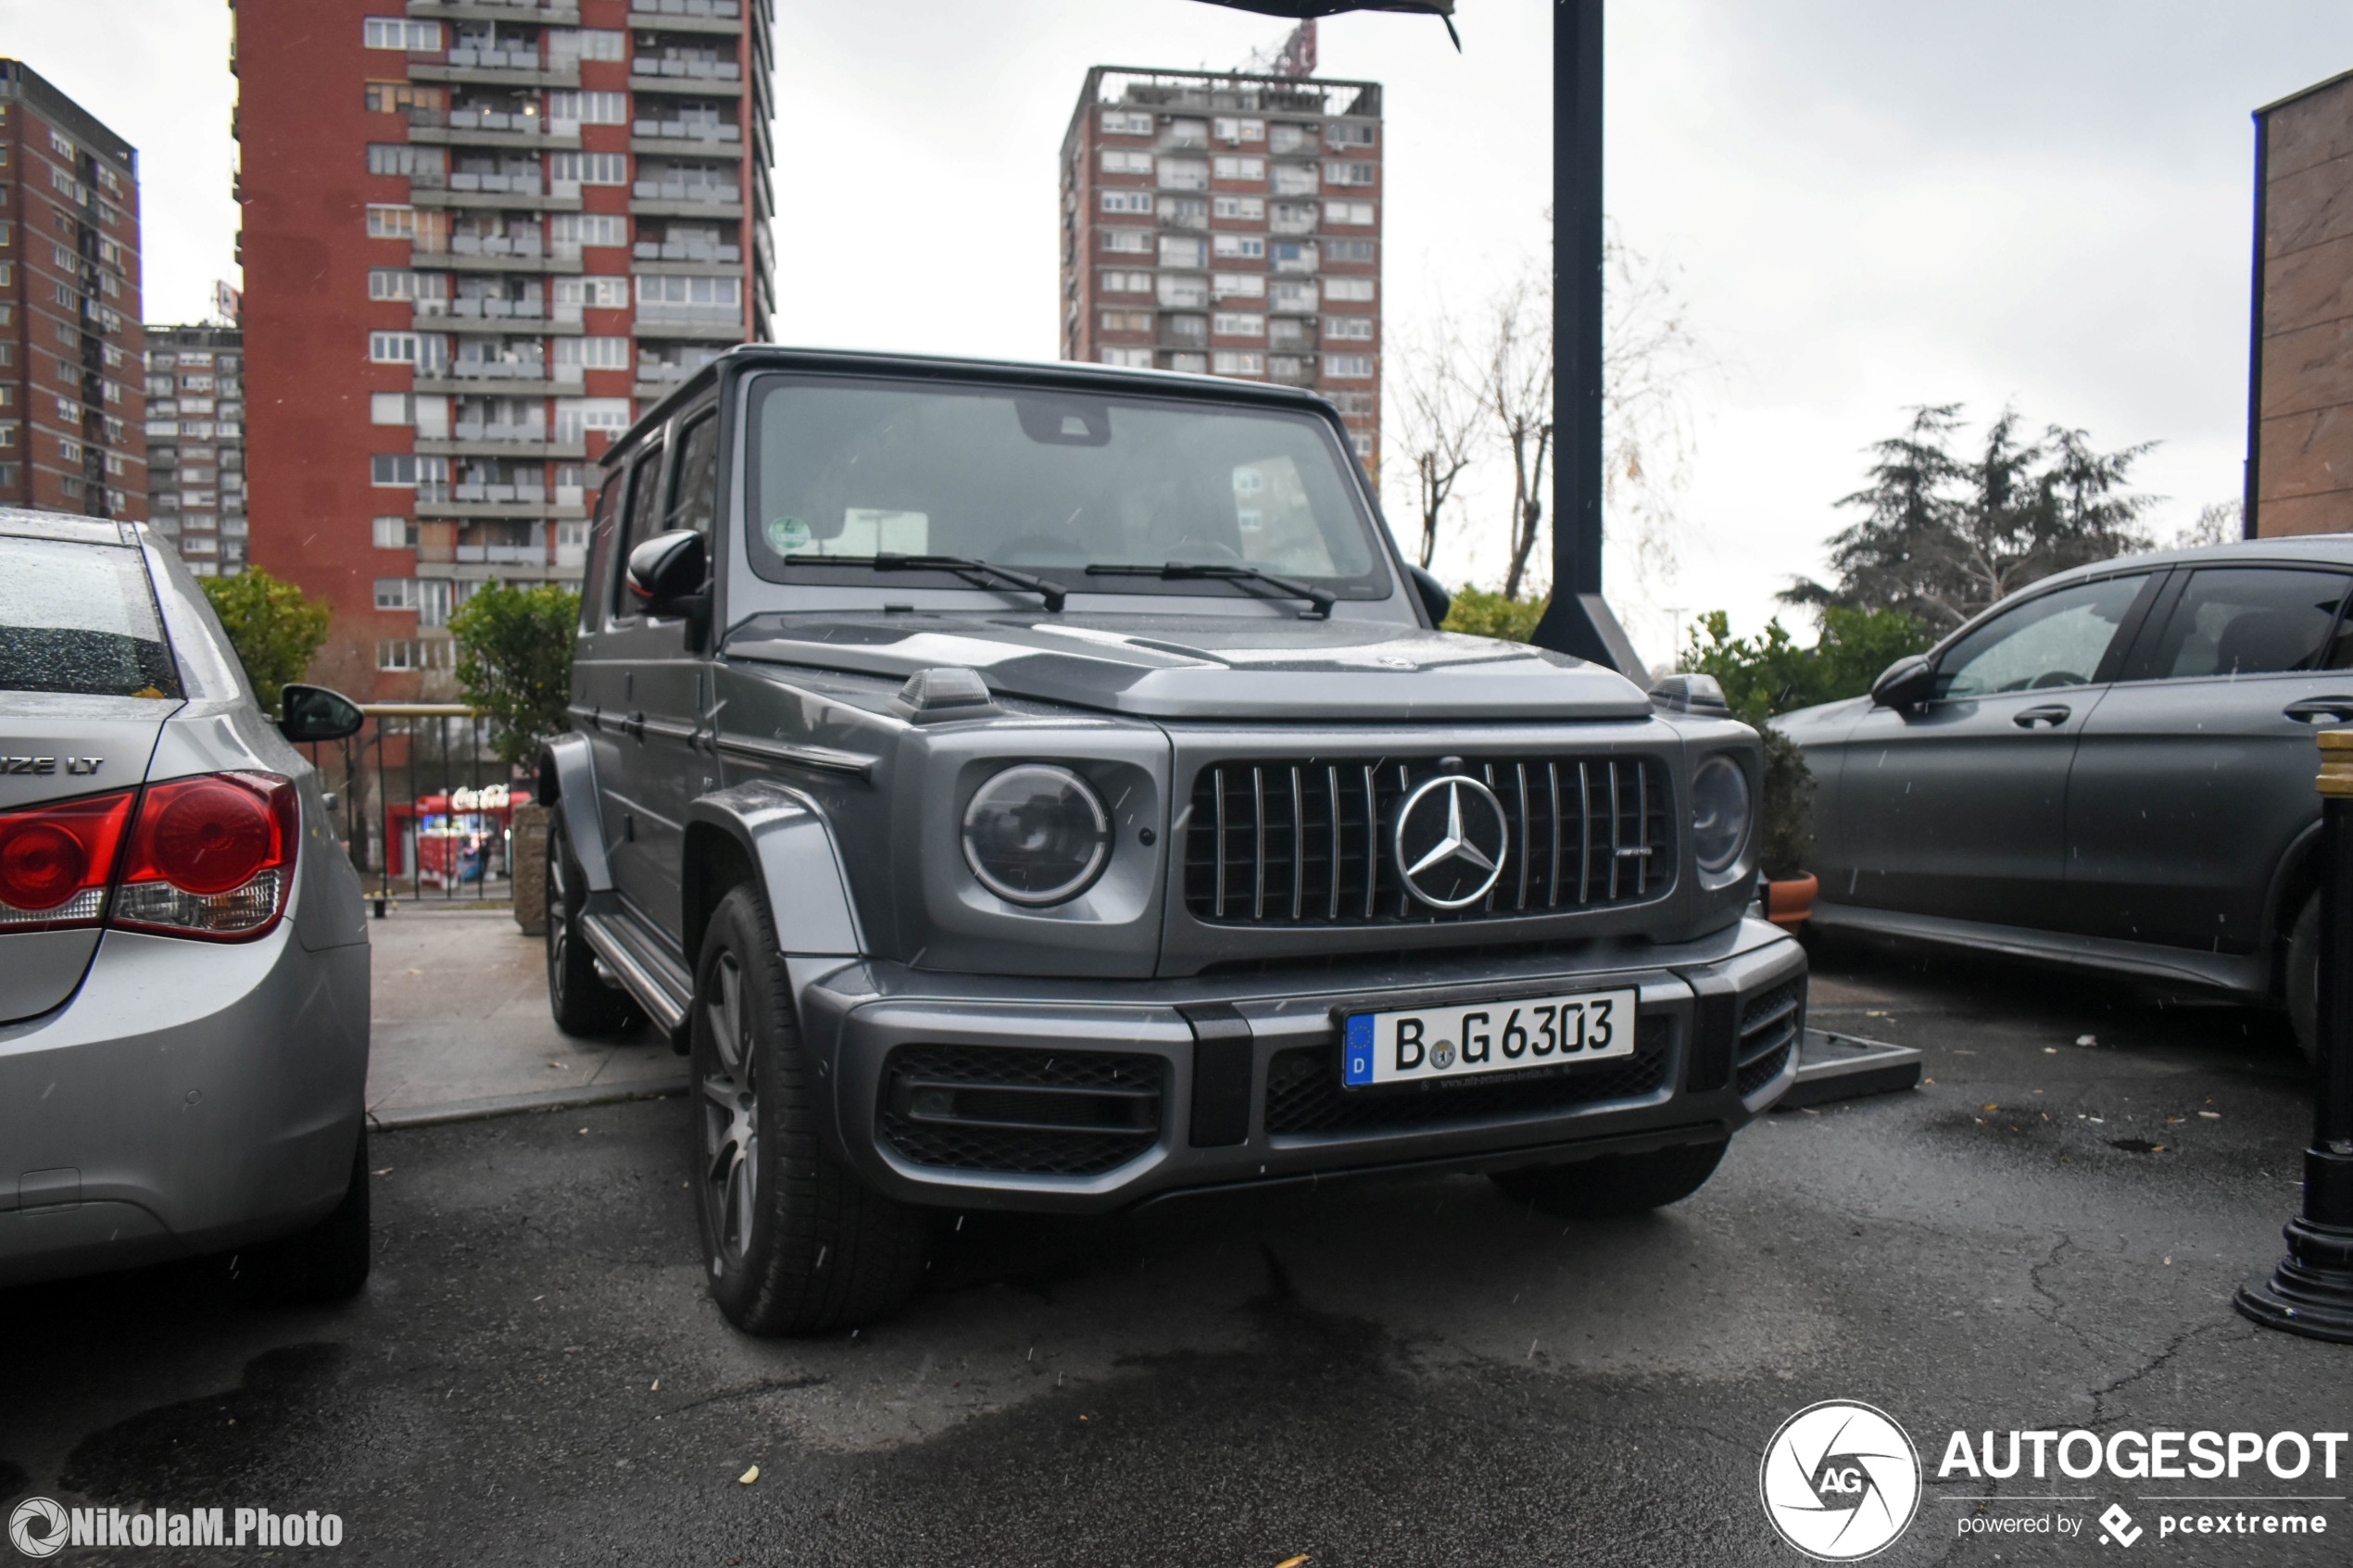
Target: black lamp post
{"type": "Point", "coordinates": [2312, 1291]}
{"type": "Point", "coordinates": [1578, 620]}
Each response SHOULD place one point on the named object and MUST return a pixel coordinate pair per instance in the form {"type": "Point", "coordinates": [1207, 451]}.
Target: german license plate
{"type": "Point", "coordinates": [1418, 1044]}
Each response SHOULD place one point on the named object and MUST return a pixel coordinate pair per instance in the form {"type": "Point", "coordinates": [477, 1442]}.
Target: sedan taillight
{"type": "Point", "coordinates": [56, 858]}
{"type": "Point", "coordinates": [211, 857]}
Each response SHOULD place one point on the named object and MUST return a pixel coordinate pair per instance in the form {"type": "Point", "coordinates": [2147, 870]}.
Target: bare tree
{"type": "Point", "coordinates": [1649, 361]}
{"type": "Point", "coordinates": [1515, 388]}
{"type": "Point", "coordinates": [1438, 422]}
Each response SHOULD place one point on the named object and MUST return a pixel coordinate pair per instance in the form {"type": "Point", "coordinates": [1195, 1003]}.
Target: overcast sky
{"type": "Point", "coordinates": [1866, 205]}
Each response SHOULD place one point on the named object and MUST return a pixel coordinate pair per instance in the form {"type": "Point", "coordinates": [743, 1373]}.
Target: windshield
{"type": "Point", "coordinates": [1050, 484]}
{"type": "Point", "coordinates": [80, 619]}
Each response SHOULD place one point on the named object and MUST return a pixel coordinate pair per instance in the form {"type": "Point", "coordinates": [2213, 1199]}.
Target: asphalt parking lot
{"type": "Point", "coordinates": [1399, 1372]}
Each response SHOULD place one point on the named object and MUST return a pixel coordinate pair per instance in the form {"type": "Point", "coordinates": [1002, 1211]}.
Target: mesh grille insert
{"type": "Point", "coordinates": [1021, 1111]}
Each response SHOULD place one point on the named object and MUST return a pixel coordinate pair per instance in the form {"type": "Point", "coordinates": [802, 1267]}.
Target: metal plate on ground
{"type": "Point", "coordinates": [1834, 1067]}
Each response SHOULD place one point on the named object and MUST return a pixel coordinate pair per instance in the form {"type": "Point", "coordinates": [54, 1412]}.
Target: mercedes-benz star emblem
{"type": "Point", "coordinates": [1450, 841]}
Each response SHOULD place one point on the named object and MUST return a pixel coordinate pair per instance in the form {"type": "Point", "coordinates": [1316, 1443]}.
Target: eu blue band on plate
{"type": "Point", "coordinates": [1356, 1055]}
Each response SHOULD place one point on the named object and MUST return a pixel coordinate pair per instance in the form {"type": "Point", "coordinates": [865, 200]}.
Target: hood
{"type": "Point", "coordinates": [1210, 667]}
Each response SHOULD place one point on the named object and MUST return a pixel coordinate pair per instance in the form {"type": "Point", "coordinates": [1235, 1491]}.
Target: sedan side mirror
{"type": "Point", "coordinates": [1433, 594]}
{"type": "Point", "coordinates": [1907, 682]}
{"type": "Point", "coordinates": [314, 713]}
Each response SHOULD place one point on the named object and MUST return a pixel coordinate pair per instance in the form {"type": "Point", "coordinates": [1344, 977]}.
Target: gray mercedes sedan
{"type": "Point", "coordinates": [183, 961]}
{"type": "Point", "coordinates": [2112, 769]}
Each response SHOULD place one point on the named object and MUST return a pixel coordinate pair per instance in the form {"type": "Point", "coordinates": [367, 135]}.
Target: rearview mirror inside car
{"type": "Point", "coordinates": [315, 713]}
{"type": "Point", "coordinates": [1907, 682]}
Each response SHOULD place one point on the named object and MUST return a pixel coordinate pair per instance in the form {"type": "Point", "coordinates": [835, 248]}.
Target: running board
{"type": "Point", "coordinates": [660, 986]}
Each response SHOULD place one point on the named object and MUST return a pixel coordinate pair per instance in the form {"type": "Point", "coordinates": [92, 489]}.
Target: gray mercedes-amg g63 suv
{"type": "Point", "coordinates": [1043, 787]}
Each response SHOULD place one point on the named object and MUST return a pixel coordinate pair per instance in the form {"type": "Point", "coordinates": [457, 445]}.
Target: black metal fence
{"type": "Point", "coordinates": [425, 807]}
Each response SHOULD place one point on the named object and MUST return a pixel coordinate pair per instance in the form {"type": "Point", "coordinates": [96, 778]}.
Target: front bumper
{"type": "Point", "coordinates": [1231, 1080]}
{"type": "Point", "coordinates": [190, 1097]}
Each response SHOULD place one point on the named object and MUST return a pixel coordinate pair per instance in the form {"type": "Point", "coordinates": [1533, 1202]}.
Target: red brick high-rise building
{"type": "Point", "coordinates": [72, 383]}
{"type": "Point", "coordinates": [480, 237]}
{"type": "Point", "coordinates": [1228, 223]}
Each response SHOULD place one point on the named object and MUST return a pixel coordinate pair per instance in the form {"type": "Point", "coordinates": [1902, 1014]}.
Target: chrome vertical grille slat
{"type": "Point", "coordinates": [1304, 842]}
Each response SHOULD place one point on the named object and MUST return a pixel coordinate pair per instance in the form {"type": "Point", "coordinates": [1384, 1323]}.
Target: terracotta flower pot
{"type": "Point", "coordinates": [1787, 904]}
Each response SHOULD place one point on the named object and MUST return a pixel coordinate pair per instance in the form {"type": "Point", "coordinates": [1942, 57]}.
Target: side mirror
{"type": "Point", "coordinates": [1685, 693]}
{"type": "Point", "coordinates": [314, 713]}
{"type": "Point", "coordinates": [1434, 596]}
{"type": "Point", "coordinates": [667, 569]}
{"type": "Point", "coordinates": [1907, 682]}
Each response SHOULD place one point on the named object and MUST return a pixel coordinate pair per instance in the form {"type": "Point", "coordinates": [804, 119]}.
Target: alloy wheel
{"type": "Point", "coordinates": [730, 1117]}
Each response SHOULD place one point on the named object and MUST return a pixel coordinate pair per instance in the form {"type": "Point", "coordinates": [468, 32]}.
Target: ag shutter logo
{"type": "Point", "coordinates": [1840, 1481]}
{"type": "Point", "coordinates": [37, 1528]}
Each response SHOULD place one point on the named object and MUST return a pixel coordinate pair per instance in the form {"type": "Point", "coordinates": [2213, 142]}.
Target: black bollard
{"type": "Point", "coordinates": [2312, 1291]}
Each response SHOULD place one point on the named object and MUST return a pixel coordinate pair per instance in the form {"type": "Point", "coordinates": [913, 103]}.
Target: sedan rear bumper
{"type": "Point", "coordinates": [190, 1097]}
{"type": "Point", "coordinates": [1091, 1096]}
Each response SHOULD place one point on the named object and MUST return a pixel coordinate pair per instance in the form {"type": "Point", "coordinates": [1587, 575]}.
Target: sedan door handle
{"type": "Point", "coordinates": [2311, 711]}
{"type": "Point", "coordinates": [2030, 718]}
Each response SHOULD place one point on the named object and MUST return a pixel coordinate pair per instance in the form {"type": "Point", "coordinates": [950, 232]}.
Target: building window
{"type": "Point", "coordinates": [389, 222]}
{"type": "Point", "coordinates": [1237, 323]}
{"type": "Point", "coordinates": [589, 168]}
{"type": "Point", "coordinates": [1235, 132]}
{"type": "Point", "coordinates": [1348, 329]}
{"type": "Point", "coordinates": [1126, 122]}
{"type": "Point", "coordinates": [1348, 367]}
{"type": "Point", "coordinates": [1125, 242]}
{"type": "Point", "coordinates": [1239, 285]}
{"type": "Point", "coordinates": [395, 533]}
{"type": "Point", "coordinates": [400, 157]}
{"type": "Point", "coordinates": [597, 293]}
{"type": "Point", "coordinates": [594, 352]}
{"type": "Point", "coordinates": [1179, 250]}
{"type": "Point", "coordinates": [400, 98]}
{"type": "Point", "coordinates": [1340, 173]}
{"type": "Point", "coordinates": [1180, 293]}
{"type": "Point", "coordinates": [1295, 180]}
{"type": "Point", "coordinates": [1286, 137]}
{"type": "Point", "coordinates": [1250, 246]}
{"type": "Point", "coordinates": [1240, 167]}
{"type": "Point", "coordinates": [392, 407]}
{"type": "Point", "coordinates": [399, 32]}
{"type": "Point", "coordinates": [1248, 209]}
{"type": "Point", "coordinates": [589, 229]}
{"type": "Point", "coordinates": [398, 284]}
{"type": "Point", "coordinates": [1128, 201]}
{"type": "Point", "coordinates": [1115, 281]}
{"type": "Point", "coordinates": [1121, 160]}
{"type": "Point", "coordinates": [588, 44]}
{"type": "Point", "coordinates": [400, 654]}
{"type": "Point", "coordinates": [1348, 250]}
{"type": "Point", "coordinates": [1125, 320]}
{"type": "Point", "coordinates": [1359, 290]}
{"type": "Point", "coordinates": [1292, 296]}
{"type": "Point", "coordinates": [421, 349]}
{"type": "Point", "coordinates": [1340, 135]}
{"type": "Point", "coordinates": [1238, 362]}
{"type": "Point", "coordinates": [577, 416]}
{"type": "Point", "coordinates": [395, 593]}
{"type": "Point", "coordinates": [1133, 358]}
{"type": "Point", "coordinates": [589, 108]}
{"type": "Point", "coordinates": [1184, 173]}
{"type": "Point", "coordinates": [405, 470]}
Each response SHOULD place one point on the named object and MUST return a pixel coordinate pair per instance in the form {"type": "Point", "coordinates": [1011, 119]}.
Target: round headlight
{"type": "Point", "coordinates": [1719, 812]}
{"type": "Point", "coordinates": [1036, 835]}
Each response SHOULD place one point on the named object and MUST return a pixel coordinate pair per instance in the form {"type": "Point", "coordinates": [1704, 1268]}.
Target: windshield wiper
{"type": "Point", "coordinates": [1319, 601]}
{"type": "Point", "coordinates": [970, 568]}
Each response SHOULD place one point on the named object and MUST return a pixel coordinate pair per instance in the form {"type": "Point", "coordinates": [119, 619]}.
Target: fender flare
{"type": "Point", "coordinates": [785, 838]}
{"type": "Point", "coordinates": [568, 777]}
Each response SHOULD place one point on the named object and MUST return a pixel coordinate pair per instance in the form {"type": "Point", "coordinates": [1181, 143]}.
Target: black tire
{"type": "Point", "coordinates": [1614, 1184]}
{"type": "Point", "coordinates": [327, 1262]}
{"type": "Point", "coordinates": [577, 995]}
{"type": "Point", "coordinates": [2302, 981]}
{"type": "Point", "coordinates": [792, 1242]}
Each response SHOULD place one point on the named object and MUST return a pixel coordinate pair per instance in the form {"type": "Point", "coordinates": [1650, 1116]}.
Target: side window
{"type": "Point", "coordinates": [2253, 620]}
{"type": "Point", "coordinates": [604, 566]}
{"type": "Point", "coordinates": [693, 483]}
{"type": "Point", "coordinates": [2056, 640]}
{"type": "Point", "coordinates": [639, 522]}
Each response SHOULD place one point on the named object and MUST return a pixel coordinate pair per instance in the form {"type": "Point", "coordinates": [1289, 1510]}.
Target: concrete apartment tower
{"type": "Point", "coordinates": [197, 444]}
{"type": "Point", "coordinates": [72, 386]}
{"type": "Point", "coordinates": [2300, 436]}
{"type": "Point", "coordinates": [480, 237]}
{"type": "Point", "coordinates": [1228, 224]}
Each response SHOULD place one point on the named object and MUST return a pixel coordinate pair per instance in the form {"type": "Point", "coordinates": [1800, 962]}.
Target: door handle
{"type": "Point", "coordinates": [2311, 711]}
{"type": "Point", "coordinates": [2052, 716]}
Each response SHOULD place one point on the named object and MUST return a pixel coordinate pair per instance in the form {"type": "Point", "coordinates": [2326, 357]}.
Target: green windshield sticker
{"type": "Point", "coordinates": [787, 535]}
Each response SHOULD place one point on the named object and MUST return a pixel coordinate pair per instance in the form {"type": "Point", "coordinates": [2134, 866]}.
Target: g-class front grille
{"type": "Point", "coordinates": [1310, 842]}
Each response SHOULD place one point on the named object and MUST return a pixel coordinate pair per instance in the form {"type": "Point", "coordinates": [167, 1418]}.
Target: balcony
{"type": "Point", "coordinates": [700, 79]}
{"type": "Point", "coordinates": [687, 16]}
{"type": "Point", "coordinates": [487, 128]}
{"type": "Point", "coordinates": [702, 192]}
{"type": "Point", "coordinates": [687, 132]}
{"type": "Point", "coordinates": [552, 13]}
{"type": "Point", "coordinates": [686, 250]}
{"type": "Point", "coordinates": [535, 73]}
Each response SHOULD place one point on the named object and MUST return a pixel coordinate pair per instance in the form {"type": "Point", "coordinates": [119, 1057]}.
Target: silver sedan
{"type": "Point", "coordinates": [183, 957]}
